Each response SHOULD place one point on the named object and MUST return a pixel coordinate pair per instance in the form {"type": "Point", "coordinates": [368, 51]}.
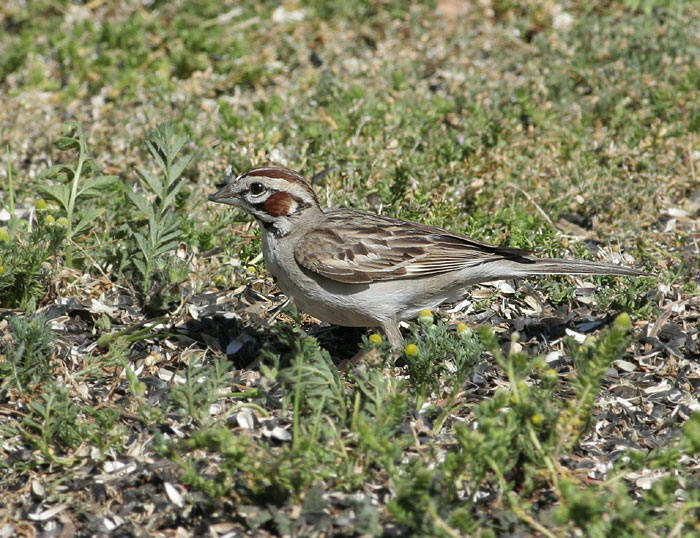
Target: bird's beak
{"type": "Point", "coordinates": [226, 194]}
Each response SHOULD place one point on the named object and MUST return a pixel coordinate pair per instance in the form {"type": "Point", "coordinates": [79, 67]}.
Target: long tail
{"type": "Point", "coordinates": [558, 266]}
{"type": "Point", "coordinates": [527, 266]}
{"type": "Point", "coordinates": [524, 266]}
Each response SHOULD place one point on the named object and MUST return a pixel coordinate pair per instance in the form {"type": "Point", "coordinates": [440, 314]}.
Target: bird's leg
{"type": "Point", "coordinates": [393, 334]}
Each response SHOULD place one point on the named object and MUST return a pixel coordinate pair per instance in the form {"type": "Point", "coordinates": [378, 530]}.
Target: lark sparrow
{"type": "Point", "coordinates": [360, 269]}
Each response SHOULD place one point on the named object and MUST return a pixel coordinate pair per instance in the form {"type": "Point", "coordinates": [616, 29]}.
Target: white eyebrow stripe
{"type": "Point", "coordinates": [296, 189]}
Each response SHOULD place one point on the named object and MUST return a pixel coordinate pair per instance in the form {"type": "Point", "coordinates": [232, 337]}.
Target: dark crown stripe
{"type": "Point", "coordinates": [277, 173]}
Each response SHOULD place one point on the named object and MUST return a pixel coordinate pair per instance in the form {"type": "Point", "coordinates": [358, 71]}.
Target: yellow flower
{"type": "Point", "coordinates": [463, 328]}
{"type": "Point", "coordinates": [425, 316]}
{"type": "Point", "coordinates": [62, 221]}
{"type": "Point", "coordinates": [41, 203]}
{"type": "Point", "coordinates": [551, 373]}
{"type": "Point", "coordinates": [49, 219]}
{"type": "Point", "coordinates": [537, 419]}
{"type": "Point", "coordinates": [2, 269]}
{"type": "Point", "coordinates": [4, 235]}
{"type": "Point", "coordinates": [375, 339]}
{"type": "Point", "coordinates": [411, 350]}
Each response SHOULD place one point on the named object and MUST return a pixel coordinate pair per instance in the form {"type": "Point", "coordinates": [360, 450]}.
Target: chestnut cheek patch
{"type": "Point", "coordinates": [280, 204]}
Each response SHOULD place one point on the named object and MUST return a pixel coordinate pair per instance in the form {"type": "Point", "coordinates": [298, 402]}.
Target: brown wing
{"type": "Point", "coordinates": [357, 247]}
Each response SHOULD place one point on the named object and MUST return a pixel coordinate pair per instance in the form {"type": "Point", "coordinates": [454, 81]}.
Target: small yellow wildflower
{"type": "Point", "coordinates": [62, 221]}
{"type": "Point", "coordinates": [551, 373]}
{"type": "Point", "coordinates": [49, 219]}
{"type": "Point", "coordinates": [463, 328]}
{"type": "Point", "coordinates": [2, 269]}
{"type": "Point", "coordinates": [411, 350]}
{"type": "Point", "coordinates": [425, 316]}
{"type": "Point", "coordinates": [4, 235]}
{"type": "Point", "coordinates": [41, 203]}
{"type": "Point", "coordinates": [537, 419]}
{"type": "Point", "coordinates": [375, 339]}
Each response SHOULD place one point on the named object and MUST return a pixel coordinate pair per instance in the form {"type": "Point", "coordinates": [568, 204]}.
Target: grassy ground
{"type": "Point", "coordinates": [147, 386]}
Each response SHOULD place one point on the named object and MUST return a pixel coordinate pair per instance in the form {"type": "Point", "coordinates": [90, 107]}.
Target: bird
{"type": "Point", "coordinates": [360, 269]}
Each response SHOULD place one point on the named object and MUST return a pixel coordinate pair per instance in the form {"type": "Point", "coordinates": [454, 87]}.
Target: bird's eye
{"type": "Point", "coordinates": [257, 188]}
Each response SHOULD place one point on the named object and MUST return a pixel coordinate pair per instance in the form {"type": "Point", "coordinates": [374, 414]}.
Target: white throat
{"type": "Point", "coordinates": [279, 227]}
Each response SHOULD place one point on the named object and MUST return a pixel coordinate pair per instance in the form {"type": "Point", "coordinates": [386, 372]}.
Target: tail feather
{"type": "Point", "coordinates": [525, 266]}
{"type": "Point", "coordinates": [558, 266]}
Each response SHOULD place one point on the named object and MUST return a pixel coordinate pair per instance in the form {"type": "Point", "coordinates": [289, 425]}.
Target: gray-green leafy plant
{"type": "Point", "coordinates": [52, 425]}
{"type": "Point", "coordinates": [28, 353]}
{"type": "Point", "coordinates": [434, 346]}
{"type": "Point", "coordinates": [163, 232]}
{"type": "Point", "coordinates": [202, 387]}
{"type": "Point", "coordinates": [75, 183]}
{"type": "Point", "coordinates": [23, 271]}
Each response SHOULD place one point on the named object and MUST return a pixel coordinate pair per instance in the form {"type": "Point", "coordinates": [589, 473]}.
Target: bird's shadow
{"type": "Point", "coordinates": [242, 342]}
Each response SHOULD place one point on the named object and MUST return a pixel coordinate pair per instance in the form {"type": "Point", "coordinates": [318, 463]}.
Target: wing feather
{"type": "Point", "coordinates": [382, 248]}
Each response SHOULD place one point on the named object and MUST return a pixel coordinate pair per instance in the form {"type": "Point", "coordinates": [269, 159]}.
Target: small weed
{"type": "Point", "coordinates": [312, 379]}
{"type": "Point", "coordinates": [381, 403]}
{"type": "Point", "coordinates": [106, 432]}
{"type": "Point", "coordinates": [235, 451]}
{"type": "Point", "coordinates": [28, 354]}
{"type": "Point", "coordinates": [202, 388]}
{"type": "Point", "coordinates": [24, 247]}
{"type": "Point", "coordinates": [153, 261]}
{"type": "Point", "coordinates": [420, 502]}
{"type": "Point", "coordinates": [592, 359]}
{"type": "Point", "coordinates": [23, 271]}
{"type": "Point", "coordinates": [52, 426]}
{"type": "Point", "coordinates": [436, 354]}
{"type": "Point", "coordinates": [75, 185]}
{"type": "Point", "coordinates": [629, 295]}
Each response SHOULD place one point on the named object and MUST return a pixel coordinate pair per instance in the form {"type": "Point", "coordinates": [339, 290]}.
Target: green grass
{"type": "Point", "coordinates": [119, 118]}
